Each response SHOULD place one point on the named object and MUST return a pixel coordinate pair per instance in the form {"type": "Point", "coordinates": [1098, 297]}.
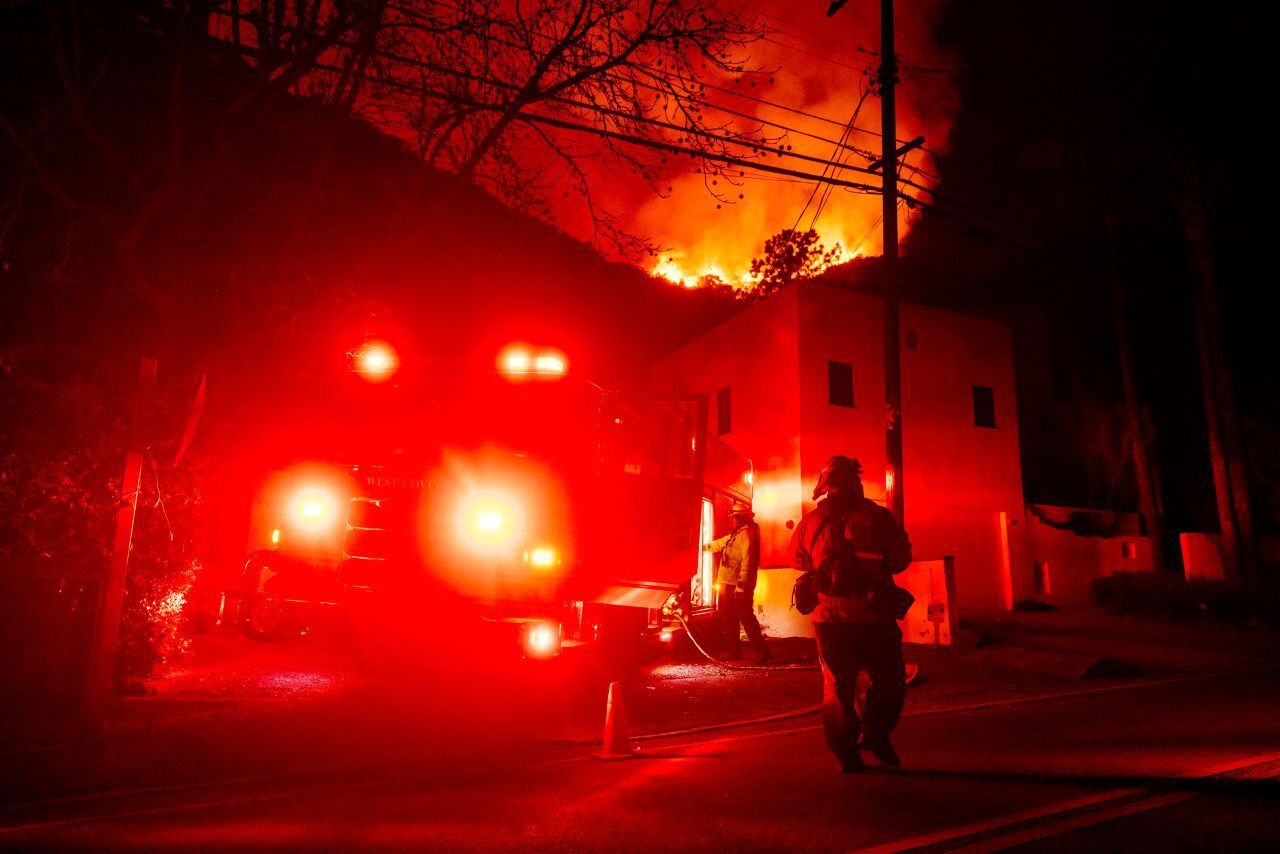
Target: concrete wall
{"type": "Point", "coordinates": [1071, 561]}
{"type": "Point", "coordinates": [1202, 556]}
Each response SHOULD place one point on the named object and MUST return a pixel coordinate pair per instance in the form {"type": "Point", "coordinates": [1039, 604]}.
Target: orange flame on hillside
{"type": "Point", "coordinates": [669, 267]}
{"type": "Point", "coordinates": [715, 226]}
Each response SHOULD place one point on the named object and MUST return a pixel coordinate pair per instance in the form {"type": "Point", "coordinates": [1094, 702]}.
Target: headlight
{"type": "Point", "coordinates": [314, 510]}
{"type": "Point", "coordinates": [376, 361]}
{"type": "Point", "coordinates": [543, 557]}
{"type": "Point", "coordinates": [541, 640]}
{"type": "Point", "coordinates": [489, 522]}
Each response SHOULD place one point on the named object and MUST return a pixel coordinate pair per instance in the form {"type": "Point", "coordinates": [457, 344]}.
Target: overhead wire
{"type": "Point", "coordinates": [737, 93]}
{"type": "Point", "coordinates": [826, 190]}
{"type": "Point", "coordinates": [702, 102]}
{"type": "Point", "coordinates": [658, 145]}
{"type": "Point", "coordinates": [757, 146]}
{"type": "Point", "coordinates": [776, 173]}
{"type": "Point", "coordinates": [853, 119]}
{"type": "Point", "coordinates": [821, 57]}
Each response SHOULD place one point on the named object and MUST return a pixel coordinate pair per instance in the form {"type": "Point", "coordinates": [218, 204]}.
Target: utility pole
{"type": "Point", "coordinates": [111, 597]}
{"type": "Point", "coordinates": [888, 78]}
{"type": "Point", "coordinates": [889, 152]}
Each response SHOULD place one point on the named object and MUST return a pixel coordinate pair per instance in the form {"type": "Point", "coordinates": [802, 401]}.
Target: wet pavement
{"type": "Point", "coordinates": [240, 708]}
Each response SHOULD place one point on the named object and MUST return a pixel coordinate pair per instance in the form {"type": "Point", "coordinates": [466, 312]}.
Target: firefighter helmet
{"type": "Point", "coordinates": [740, 509]}
{"type": "Point", "coordinates": [839, 472]}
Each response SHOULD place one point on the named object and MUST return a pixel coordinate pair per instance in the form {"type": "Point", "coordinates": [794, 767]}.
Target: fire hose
{"type": "Point", "coordinates": [912, 670]}
{"type": "Point", "coordinates": [711, 658]}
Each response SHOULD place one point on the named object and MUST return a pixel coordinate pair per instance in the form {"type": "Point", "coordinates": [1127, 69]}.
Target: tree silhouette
{"type": "Point", "coordinates": [531, 100]}
{"type": "Point", "coordinates": [791, 255]}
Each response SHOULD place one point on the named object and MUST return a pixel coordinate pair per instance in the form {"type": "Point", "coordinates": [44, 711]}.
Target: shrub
{"type": "Point", "coordinates": [1172, 597]}
{"type": "Point", "coordinates": [60, 463]}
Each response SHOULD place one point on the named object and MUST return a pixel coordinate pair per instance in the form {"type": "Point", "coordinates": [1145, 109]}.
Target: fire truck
{"type": "Point", "coordinates": [506, 512]}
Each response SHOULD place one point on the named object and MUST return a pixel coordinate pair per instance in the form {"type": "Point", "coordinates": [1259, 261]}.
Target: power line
{"type": "Point", "coordinates": [771, 39]}
{"type": "Point", "coordinates": [759, 146]}
{"type": "Point", "coordinates": [853, 119]}
{"type": "Point", "coordinates": [827, 41]}
{"type": "Point", "coordinates": [631, 139]}
{"type": "Point", "coordinates": [789, 174]}
{"type": "Point", "coordinates": [691, 98]}
{"type": "Point", "coordinates": [826, 190]}
{"type": "Point", "coordinates": [697, 83]}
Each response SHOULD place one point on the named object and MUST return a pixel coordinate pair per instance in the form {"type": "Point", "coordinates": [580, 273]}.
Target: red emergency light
{"type": "Point", "coordinates": [549, 363]}
{"type": "Point", "coordinates": [375, 361]}
{"type": "Point", "coordinates": [313, 510]}
{"type": "Point", "coordinates": [542, 557]}
{"type": "Point", "coordinates": [516, 362]}
{"type": "Point", "coordinates": [519, 362]}
{"type": "Point", "coordinates": [541, 640]}
{"type": "Point", "coordinates": [489, 521]}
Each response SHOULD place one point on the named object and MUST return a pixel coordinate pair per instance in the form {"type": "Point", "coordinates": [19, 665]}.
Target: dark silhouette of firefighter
{"type": "Point", "coordinates": [736, 582]}
{"type": "Point", "coordinates": [855, 547]}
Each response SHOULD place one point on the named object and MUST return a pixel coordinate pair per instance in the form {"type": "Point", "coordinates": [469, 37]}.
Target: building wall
{"type": "Point", "coordinates": [963, 483]}
{"type": "Point", "coordinates": [755, 355]}
{"type": "Point", "coordinates": [842, 326]}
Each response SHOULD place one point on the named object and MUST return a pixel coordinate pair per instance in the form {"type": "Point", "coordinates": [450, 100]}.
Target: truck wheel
{"type": "Point", "coordinates": [263, 618]}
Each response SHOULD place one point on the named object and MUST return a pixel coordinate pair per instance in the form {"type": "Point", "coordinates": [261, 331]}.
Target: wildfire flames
{"type": "Point", "coordinates": [669, 267]}
{"type": "Point", "coordinates": [821, 67]}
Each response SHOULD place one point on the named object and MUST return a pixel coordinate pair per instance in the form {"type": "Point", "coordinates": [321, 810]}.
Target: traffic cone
{"type": "Point", "coordinates": [617, 741]}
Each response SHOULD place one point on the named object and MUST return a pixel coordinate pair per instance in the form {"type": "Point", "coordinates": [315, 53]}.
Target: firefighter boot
{"type": "Point", "coordinates": [852, 763]}
{"type": "Point", "coordinates": [882, 749]}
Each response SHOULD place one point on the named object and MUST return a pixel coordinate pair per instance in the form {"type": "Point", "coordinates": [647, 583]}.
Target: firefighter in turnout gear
{"type": "Point", "coordinates": [736, 581]}
{"type": "Point", "coordinates": [856, 547]}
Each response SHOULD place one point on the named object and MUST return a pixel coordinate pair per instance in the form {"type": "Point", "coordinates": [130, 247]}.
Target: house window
{"type": "Point", "coordinates": [984, 406]}
{"type": "Point", "coordinates": [724, 411]}
{"type": "Point", "coordinates": [840, 384]}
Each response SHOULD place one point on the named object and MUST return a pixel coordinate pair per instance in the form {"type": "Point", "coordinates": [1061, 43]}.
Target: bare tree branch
{"type": "Point", "coordinates": [464, 76]}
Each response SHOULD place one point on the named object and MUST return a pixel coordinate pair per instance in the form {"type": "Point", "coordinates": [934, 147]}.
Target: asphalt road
{"type": "Point", "coordinates": [1173, 765]}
